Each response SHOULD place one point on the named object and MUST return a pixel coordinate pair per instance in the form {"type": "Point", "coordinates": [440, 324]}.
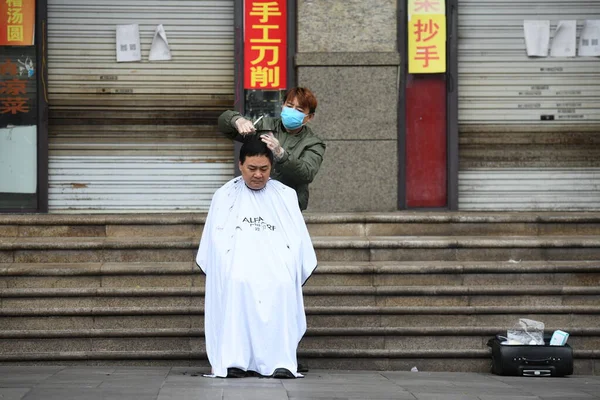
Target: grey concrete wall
{"type": "Point", "coordinates": [347, 54]}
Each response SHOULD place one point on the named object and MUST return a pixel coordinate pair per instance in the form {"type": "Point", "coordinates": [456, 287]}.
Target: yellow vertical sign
{"type": "Point", "coordinates": [427, 44]}
{"type": "Point", "coordinates": [426, 36]}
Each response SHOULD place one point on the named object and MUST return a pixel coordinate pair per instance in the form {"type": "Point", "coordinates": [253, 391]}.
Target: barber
{"type": "Point", "coordinates": [298, 152]}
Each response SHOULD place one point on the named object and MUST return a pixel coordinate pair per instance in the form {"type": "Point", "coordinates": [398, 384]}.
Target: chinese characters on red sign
{"type": "Point", "coordinates": [427, 36]}
{"type": "Point", "coordinates": [17, 19]}
{"type": "Point", "coordinates": [265, 55]}
{"type": "Point", "coordinates": [18, 82]}
{"type": "Point", "coordinates": [12, 90]}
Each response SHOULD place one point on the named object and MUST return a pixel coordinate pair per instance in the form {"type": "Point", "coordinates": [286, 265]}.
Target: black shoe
{"type": "Point", "coordinates": [236, 373]}
{"type": "Point", "coordinates": [282, 373]}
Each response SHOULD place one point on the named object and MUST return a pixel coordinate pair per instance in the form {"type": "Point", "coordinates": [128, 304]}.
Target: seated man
{"type": "Point", "coordinates": [256, 253]}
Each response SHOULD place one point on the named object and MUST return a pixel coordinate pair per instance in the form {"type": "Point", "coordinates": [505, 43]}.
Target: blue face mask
{"type": "Point", "coordinates": [292, 118]}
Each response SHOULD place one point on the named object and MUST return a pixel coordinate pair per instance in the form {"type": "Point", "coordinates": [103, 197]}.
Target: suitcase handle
{"type": "Point", "coordinates": [539, 361]}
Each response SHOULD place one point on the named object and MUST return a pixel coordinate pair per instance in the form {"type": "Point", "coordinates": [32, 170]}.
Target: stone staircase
{"type": "Point", "coordinates": [392, 291]}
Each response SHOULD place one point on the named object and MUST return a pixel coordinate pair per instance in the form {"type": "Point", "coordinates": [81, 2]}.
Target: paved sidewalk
{"type": "Point", "coordinates": [182, 383]}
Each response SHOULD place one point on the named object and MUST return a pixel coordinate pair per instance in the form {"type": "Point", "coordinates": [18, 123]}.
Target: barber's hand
{"type": "Point", "coordinates": [273, 145]}
{"type": "Point", "coordinates": [244, 126]}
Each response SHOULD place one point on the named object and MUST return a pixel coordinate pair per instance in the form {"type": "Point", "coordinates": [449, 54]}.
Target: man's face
{"type": "Point", "coordinates": [293, 103]}
{"type": "Point", "coordinates": [256, 171]}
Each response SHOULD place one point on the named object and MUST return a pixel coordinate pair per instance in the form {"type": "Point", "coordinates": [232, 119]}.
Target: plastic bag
{"type": "Point", "coordinates": [527, 331]}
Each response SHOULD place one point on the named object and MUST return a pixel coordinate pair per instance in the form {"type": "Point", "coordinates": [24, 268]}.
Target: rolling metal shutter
{"type": "Point", "coordinates": [529, 127]}
{"type": "Point", "coordinates": [138, 136]}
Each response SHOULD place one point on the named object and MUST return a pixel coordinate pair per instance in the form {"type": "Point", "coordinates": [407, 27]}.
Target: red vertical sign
{"type": "Point", "coordinates": [425, 99]}
{"type": "Point", "coordinates": [17, 22]}
{"type": "Point", "coordinates": [426, 160]}
{"type": "Point", "coordinates": [265, 55]}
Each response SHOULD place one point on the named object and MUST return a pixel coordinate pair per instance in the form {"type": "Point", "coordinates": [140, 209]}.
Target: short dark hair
{"type": "Point", "coordinates": [306, 98]}
{"type": "Point", "coordinates": [253, 146]}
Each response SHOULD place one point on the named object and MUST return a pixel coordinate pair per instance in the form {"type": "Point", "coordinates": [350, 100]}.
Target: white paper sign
{"type": "Point", "coordinates": [589, 39]}
{"type": "Point", "coordinates": [564, 41]}
{"type": "Point", "coordinates": [128, 43]}
{"type": "Point", "coordinates": [18, 159]}
{"type": "Point", "coordinates": [160, 50]}
{"type": "Point", "coordinates": [537, 37]}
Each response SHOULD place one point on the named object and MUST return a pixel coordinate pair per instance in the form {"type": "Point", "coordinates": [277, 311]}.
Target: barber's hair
{"type": "Point", "coordinates": [306, 98]}
{"type": "Point", "coordinates": [253, 146]}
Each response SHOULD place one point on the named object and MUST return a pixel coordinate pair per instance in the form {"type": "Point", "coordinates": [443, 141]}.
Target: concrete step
{"type": "Point", "coordinates": [327, 296]}
{"type": "Point", "coordinates": [568, 317]}
{"type": "Point", "coordinates": [448, 273]}
{"type": "Point", "coordinates": [382, 273]}
{"type": "Point", "coordinates": [404, 223]}
{"type": "Point", "coordinates": [373, 359]}
{"type": "Point", "coordinates": [457, 362]}
{"type": "Point", "coordinates": [344, 249]}
{"type": "Point", "coordinates": [449, 360]}
{"type": "Point", "coordinates": [96, 275]}
{"type": "Point", "coordinates": [189, 339]}
{"type": "Point", "coordinates": [458, 248]}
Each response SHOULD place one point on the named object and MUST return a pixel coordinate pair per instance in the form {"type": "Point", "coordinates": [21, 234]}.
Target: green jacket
{"type": "Point", "coordinates": [303, 152]}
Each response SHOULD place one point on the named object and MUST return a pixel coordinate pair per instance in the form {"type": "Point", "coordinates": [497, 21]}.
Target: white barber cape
{"type": "Point", "coordinates": [256, 253]}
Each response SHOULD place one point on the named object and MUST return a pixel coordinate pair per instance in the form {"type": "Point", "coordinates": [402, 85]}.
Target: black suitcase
{"type": "Point", "coordinates": [531, 360]}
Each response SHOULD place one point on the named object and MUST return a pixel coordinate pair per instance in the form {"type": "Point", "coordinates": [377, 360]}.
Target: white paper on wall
{"type": "Point", "coordinates": [160, 51]}
{"type": "Point", "coordinates": [18, 159]}
{"type": "Point", "coordinates": [128, 43]}
{"type": "Point", "coordinates": [537, 37]}
{"type": "Point", "coordinates": [564, 41]}
{"type": "Point", "coordinates": [589, 39]}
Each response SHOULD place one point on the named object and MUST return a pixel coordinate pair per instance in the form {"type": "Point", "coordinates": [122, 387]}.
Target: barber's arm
{"type": "Point", "coordinates": [234, 125]}
{"type": "Point", "coordinates": [302, 169]}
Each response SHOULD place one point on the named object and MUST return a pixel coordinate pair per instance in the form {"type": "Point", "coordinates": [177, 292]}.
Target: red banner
{"type": "Point", "coordinates": [265, 55]}
{"type": "Point", "coordinates": [17, 22]}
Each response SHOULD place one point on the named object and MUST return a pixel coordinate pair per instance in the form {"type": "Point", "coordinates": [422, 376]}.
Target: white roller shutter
{"type": "Point", "coordinates": [529, 126]}
{"type": "Point", "coordinates": [138, 136]}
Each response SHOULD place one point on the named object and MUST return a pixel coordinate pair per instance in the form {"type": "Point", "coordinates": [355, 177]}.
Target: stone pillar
{"type": "Point", "coordinates": [347, 55]}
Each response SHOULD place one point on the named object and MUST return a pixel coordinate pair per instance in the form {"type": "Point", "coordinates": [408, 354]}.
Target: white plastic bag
{"type": "Point", "coordinates": [527, 331]}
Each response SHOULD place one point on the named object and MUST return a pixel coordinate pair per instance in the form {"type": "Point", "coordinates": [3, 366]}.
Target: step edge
{"type": "Point", "coordinates": [311, 332]}
{"type": "Point", "coordinates": [310, 310]}
{"type": "Point", "coordinates": [319, 242]}
{"type": "Point", "coordinates": [416, 290]}
{"type": "Point", "coordinates": [326, 267]}
{"type": "Point", "coordinates": [309, 217]}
